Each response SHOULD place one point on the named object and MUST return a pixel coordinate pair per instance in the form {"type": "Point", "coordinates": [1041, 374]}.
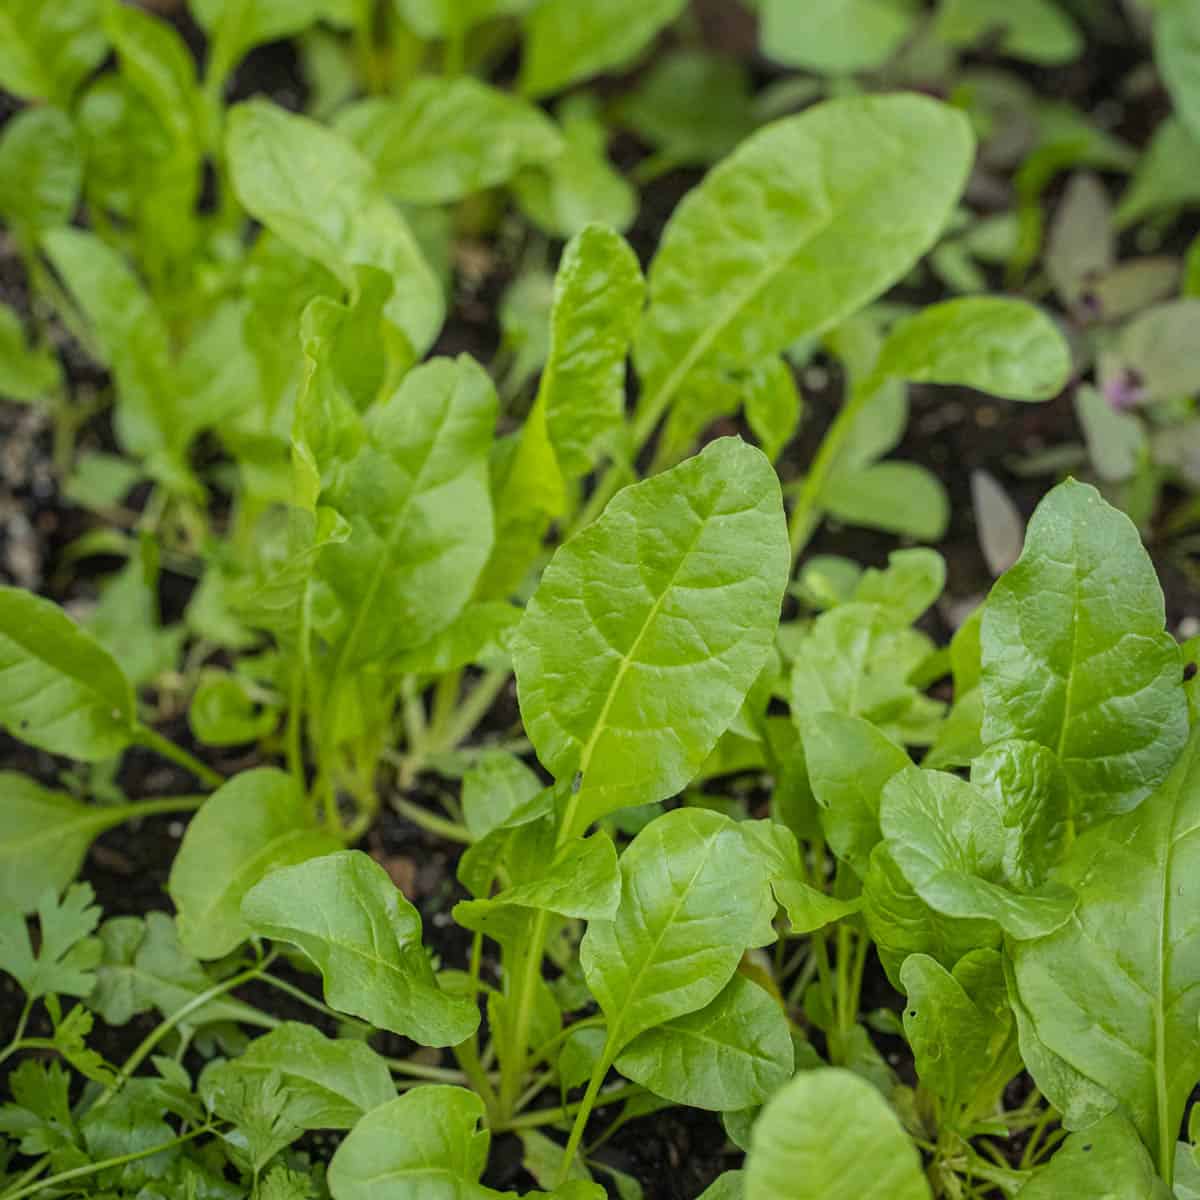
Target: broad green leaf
{"type": "Point", "coordinates": [1116, 440]}
{"type": "Point", "coordinates": [46, 50]}
{"type": "Point", "coordinates": [731, 1054]}
{"type": "Point", "coordinates": [256, 823]}
{"type": "Point", "coordinates": [1116, 992]}
{"type": "Point", "coordinates": [1075, 656]}
{"type": "Point", "coordinates": [649, 627]}
{"type": "Point", "coordinates": [1080, 247]}
{"type": "Point", "coordinates": [795, 230]}
{"type": "Point", "coordinates": [331, 1083]}
{"type": "Point", "coordinates": [1107, 1162]}
{"type": "Point", "coordinates": [834, 37]}
{"type": "Point", "coordinates": [1177, 55]}
{"type": "Point", "coordinates": [907, 587]}
{"type": "Point", "coordinates": [224, 711]}
{"type": "Point", "coordinates": [897, 497]}
{"type": "Point", "coordinates": [1167, 175]}
{"type": "Point", "coordinates": [689, 898]}
{"type": "Point", "coordinates": [44, 838]}
{"type": "Point", "coordinates": [849, 761]}
{"type": "Point", "coordinates": [345, 913]}
{"type": "Point", "coordinates": [480, 635]}
{"type": "Point", "coordinates": [565, 43]}
{"type": "Point", "coordinates": [236, 26]}
{"type": "Point", "coordinates": [60, 689]}
{"type": "Point", "coordinates": [419, 510]}
{"type": "Point", "coordinates": [580, 186]}
{"type": "Point", "coordinates": [949, 839]}
{"type": "Point", "coordinates": [313, 189]}
{"type": "Point", "coordinates": [425, 1145]}
{"type": "Point", "coordinates": [41, 170]}
{"type": "Point", "coordinates": [495, 788]}
{"type": "Point", "coordinates": [1036, 31]}
{"type": "Point", "coordinates": [993, 344]}
{"type": "Point", "coordinates": [446, 138]}
{"type": "Point", "coordinates": [144, 967]}
{"type": "Point", "coordinates": [829, 1135]}
{"type": "Point", "coordinates": [26, 373]}
{"type": "Point", "coordinates": [728, 1186]}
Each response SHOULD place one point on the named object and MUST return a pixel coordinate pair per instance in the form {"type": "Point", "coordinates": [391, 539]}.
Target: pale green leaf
{"type": "Point", "coordinates": [46, 50]}
{"type": "Point", "coordinates": [1105, 1163]}
{"type": "Point", "coordinates": [834, 37]}
{"type": "Point", "coordinates": [1036, 31]}
{"type": "Point", "coordinates": [41, 170]}
{"type": "Point", "coordinates": [26, 373]}
{"type": "Point", "coordinates": [897, 497]}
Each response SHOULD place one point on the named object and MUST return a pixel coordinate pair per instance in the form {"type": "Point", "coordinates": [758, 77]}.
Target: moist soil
{"type": "Point", "coordinates": [676, 1153]}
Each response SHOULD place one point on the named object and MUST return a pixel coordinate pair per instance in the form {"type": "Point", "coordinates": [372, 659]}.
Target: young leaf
{"type": "Point", "coordinates": [257, 822]}
{"type": "Point", "coordinates": [993, 344]}
{"type": "Point", "coordinates": [446, 138]}
{"type": "Point", "coordinates": [565, 43]}
{"type": "Point", "coordinates": [731, 1054]}
{"type": "Point", "coordinates": [236, 26]}
{"type": "Point", "coordinates": [41, 171]}
{"type": "Point", "coordinates": [689, 899]}
{"type": "Point", "coordinates": [907, 587]}
{"type": "Point", "coordinates": [794, 231]}
{"type": "Point", "coordinates": [60, 689]}
{"type": "Point", "coordinates": [331, 1083]}
{"type": "Point", "coordinates": [315, 191]}
{"type": "Point", "coordinates": [1116, 992]}
{"type": "Point", "coordinates": [345, 913]}
{"type": "Point", "coordinates": [1037, 31]}
{"type": "Point", "coordinates": [1087, 670]}
{"type": "Point", "coordinates": [1177, 55]}
{"type": "Point", "coordinates": [837, 37]}
{"type": "Point", "coordinates": [417, 502]}
{"type": "Point", "coordinates": [829, 1135]}
{"type": "Point", "coordinates": [948, 837]}
{"type": "Point", "coordinates": [46, 50]}
{"type": "Point", "coordinates": [648, 628]}
{"type": "Point", "coordinates": [1107, 1162]}
{"type": "Point", "coordinates": [897, 497]}
{"type": "Point", "coordinates": [66, 958]}
{"type": "Point", "coordinates": [27, 373]}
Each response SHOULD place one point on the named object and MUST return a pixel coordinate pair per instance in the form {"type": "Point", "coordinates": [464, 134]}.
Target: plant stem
{"type": "Point", "coordinates": [402, 1066]}
{"type": "Point", "coordinates": [153, 740]}
{"type": "Point", "coordinates": [106, 1164]}
{"type": "Point", "coordinates": [474, 708]}
{"type": "Point", "coordinates": [550, 1116]}
{"type": "Point", "coordinates": [528, 969]}
{"type": "Point", "coordinates": [585, 1110]}
{"type": "Point", "coordinates": [15, 1044]}
{"type": "Point", "coordinates": [450, 830]}
{"type": "Point", "coordinates": [467, 1053]}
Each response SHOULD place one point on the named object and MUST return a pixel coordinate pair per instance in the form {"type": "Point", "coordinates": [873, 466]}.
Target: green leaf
{"type": "Point", "coordinates": [1151, 347]}
{"type": "Point", "coordinates": [27, 373]}
{"type": "Point", "coordinates": [907, 587]}
{"type": "Point", "coordinates": [494, 789]}
{"type": "Point", "coordinates": [345, 913]}
{"type": "Point", "coordinates": [64, 964]}
{"type": "Point", "coordinates": [44, 838]}
{"type": "Point", "coordinates": [256, 823]}
{"type": "Point", "coordinates": [60, 689]}
{"type": "Point", "coordinates": [649, 627]}
{"type": "Point", "coordinates": [834, 37]}
{"type": "Point", "coordinates": [1177, 55]}
{"type": "Point", "coordinates": [1105, 1163]}
{"type": "Point", "coordinates": [897, 497]}
{"type": "Point", "coordinates": [1036, 31]}
{"type": "Point", "coordinates": [731, 1054]}
{"type": "Point", "coordinates": [993, 344]}
{"type": "Point", "coordinates": [829, 1135]}
{"type": "Point", "coordinates": [689, 899]}
{"type": "Point", "coordinates": [434, 19]}
{"type": "Point", "coordinates": [796, 230]}
{"type": "Point", "coordinates": [849, 762]}
{"type": "Point", "coordinates": [46, 50]}
{"type": "Point", "coordinates": [313, 189]}
{"type": "Point", "coordinates": [564, 43]}
{"type": "Point", "coordinates": [417, 502]}
{"type": "Point", "coordinates": [446, 138]}
{"type": "Point", "coordinates": [223, 711]}
{"type": "Point", "coordinates": [235, 27]}
{"type": "Point", "coordinates": [1075, 656]}
{"type": "Point", "coordinates": [330, 1083]}
{"type": "Point", "coordinates": [1167, 175]}
{"type": "Point", "coordinates": [1116, 440]}
{"type": "Point", "coordinates": [480, 635]}
{"type": "Point", "coordinates": [1116, 992]}
{"type": "Point", "coordinates": [948, 838]}
{"type": "Point", "coordinates": [41, 170]}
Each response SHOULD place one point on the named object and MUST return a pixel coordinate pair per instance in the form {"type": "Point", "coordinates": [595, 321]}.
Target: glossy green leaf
{"type": "Point", "coordinates": [46, 50]}
{"type": "Point", "coordinates": [1132, 949]}
{"type": "Point", "coordinates": [446, 138]}
{"type": "Point", "coordinates": [834, 37]}
{"type": "Point", "coordinates": [565, 43]}
{"type": "Point", "coordinates": [41, 170]}
{"type": "Point", "coordinates": [993, 344]}
{"type": "Point", "coordinates": [256, 823]}
{"type": "Point", "coordinates": [1075, 656]}
{"type": "Point", "coordinates": [313, 189]}
{"type": "Point", "coordinates": [731, 1054]}
{"type": "Point", "coordinates": [417, 503]}
{"type": "Point", "coordinates": [689, 898]}
{"type": "Point", "coordinates": [345, 913]}
{"type": "Point", "coordinates": [849, 761]}
{"type": "Point", "coordinates": [948, 838]}
{"type": "Point", "coordinates": [648, 628]}
{"type": "Point", "coordinates": [829, 1135]}
{"type": "Point", "coordinates": [1105, 1163]}
{"type": "Point", "coordinates": [897, 497]}
{"type": "Point", "coordinates": [331, 1083]}
{"type": "Point", "coordinates": [425, 1145]}
{"type": "Point", "coordinates": [60, 690]}
{"type": "Point", "coordinates": [795, 230]}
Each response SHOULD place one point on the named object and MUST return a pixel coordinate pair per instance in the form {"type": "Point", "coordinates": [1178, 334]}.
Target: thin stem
{"type": "Point", "coordinates": [153, 740]}
{"type": "Point", "coordinates": [474, 708]}
{"type": "Point", "coordinates": [402, 1066]}
{"type": "Point", "coordinates": [467, 1053]}
{"type": "Point", "coordinates": [15, 1044]}
{"type": "Point", "coordinates": [585, 1111]}
{"type": "Point", "coordinates": [450, 830]}
{"type": "Point", "coordinates": [312, 1002]}
{"type": "Point", "coordinates": [551, 1116]}
{"type": "Point", "coordinates": [542, 1053]}
{"type": "Point", "coordinates": [445, 701]}
{"type": "Point", "coordinates": [529, 970]}
{"type": "Point", "coordinates": [106, 1164]}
